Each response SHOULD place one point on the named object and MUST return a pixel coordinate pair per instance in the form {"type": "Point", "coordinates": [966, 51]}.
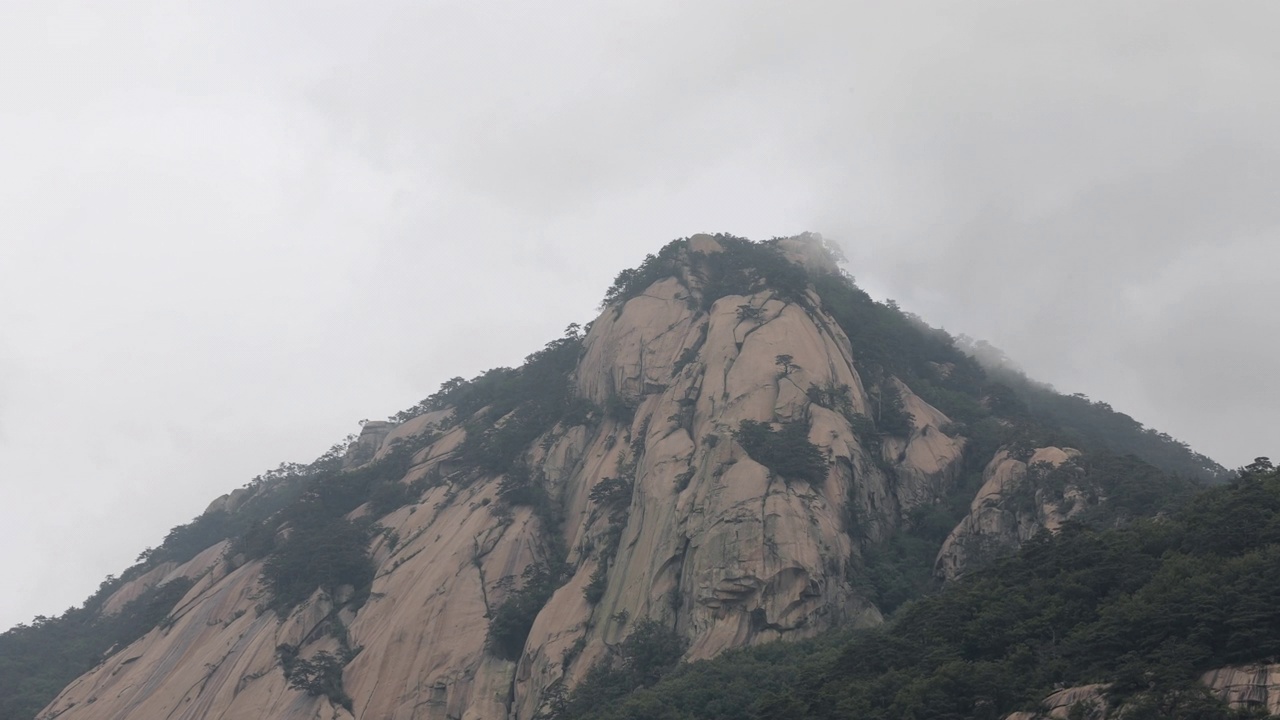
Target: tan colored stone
{"type": "Point", "coordinates": [998, 522]}
{"type": "Point", "coordinates": [230, 501]}
{"type": "Point", "coordinates": [372, 435]}
{"type": "Point", "coordinates": [728, 556]}
{"type": "Point", "coordinates": [1244, 687]}
{"type": "Point", "coordinates": [1247, 686]}
{"type": "Point", "coordinates": [926, 462]}
{"type": "Point", "coordinates": [1059, 704]}
{"type": "Point", "coordinates": [410, 428]}
{"type": "Point", "coordinates": [200, 565]}
{"type": "Point", "coordinates": [705, 244]}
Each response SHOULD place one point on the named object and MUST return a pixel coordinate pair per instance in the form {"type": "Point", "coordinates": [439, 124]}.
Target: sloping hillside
{"type": "Point", "coordinates": [1174, 617]}
{"type": "Point", "coordinates": [742, 448]}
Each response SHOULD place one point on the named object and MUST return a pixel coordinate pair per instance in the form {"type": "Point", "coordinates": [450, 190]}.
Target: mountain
{"type": "Point", "coordinates": [742, 448]}
{"type": "Point", "coordinates": [1171, 617]}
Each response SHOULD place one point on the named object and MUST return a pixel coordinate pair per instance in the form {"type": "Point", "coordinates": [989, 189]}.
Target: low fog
{"type": "Point", "coordinates": [231, 230]}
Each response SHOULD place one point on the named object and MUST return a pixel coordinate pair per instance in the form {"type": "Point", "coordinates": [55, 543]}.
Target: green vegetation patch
{"type": "Point", "coordinates": [786, 452]}
{"type": "Point", "coordinates": [38, 660]}
{"type": "Point", "coordinates": [649, 653]}
{"type": "Point", "coordinates": [744, 267]}
{"type": "Point", "coordinates": [519, 406]}
{"type": "Point", "coordinates": [512, 620]}
{"type": "Point", "coordinates": [318, 676]}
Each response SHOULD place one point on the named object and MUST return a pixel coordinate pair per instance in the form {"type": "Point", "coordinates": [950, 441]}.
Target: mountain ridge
{"type": "Point", "coordinates": [720, 452]}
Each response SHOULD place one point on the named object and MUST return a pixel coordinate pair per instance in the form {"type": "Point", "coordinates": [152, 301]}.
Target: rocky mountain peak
{"type": "Point", "coordinates": [715, 462]}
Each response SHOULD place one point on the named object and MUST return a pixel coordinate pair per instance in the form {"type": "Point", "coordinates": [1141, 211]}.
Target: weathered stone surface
{"type": "Point", "coordinates": [703, 243]}
{"type": "Point", "coordinates": [371, 437]}
{"type": "Point", "coordinates": [230, 501]}
{"type": "Point", "coordinates": [196, 567]}
{"type": "Point", "coordinates": [926, 463]}
{"type": "Point", "coordinates": [411, 428]}
{"type": "Point", "coordinates": [1252, 687]}
{"type": "Point", "coordinates": [1089, 699]}
{"type": "Point", "coordinates": [714, 544]}
{"type": "Point", "coordinates": [1247, 686]}
{"type": "Point", "coordinates": [217, 659]}
{"type": "Point", "coordinates": [632, 353]}
{"type": "Point", "coordinates": [1009, 509]}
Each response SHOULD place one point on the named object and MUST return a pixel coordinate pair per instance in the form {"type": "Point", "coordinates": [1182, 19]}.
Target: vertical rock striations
{"type": "Point", "coordinates": [1014, 503]}
{"type": "Point", "coordinates": [645, 505]}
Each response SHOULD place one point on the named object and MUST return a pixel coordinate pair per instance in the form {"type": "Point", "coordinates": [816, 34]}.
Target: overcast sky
{"type": "Point", "coordinates": [230, 230]}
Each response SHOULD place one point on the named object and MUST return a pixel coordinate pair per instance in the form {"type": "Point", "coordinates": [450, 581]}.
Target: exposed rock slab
{"type": "Point", "coordinates": [1247, 686]}
{"type": "Point", "coordinates": [1090, 700]}
{"type": "Point", "coordinates": [713, 544]}
{"type": "Point", "coordinates": [1010, 508]}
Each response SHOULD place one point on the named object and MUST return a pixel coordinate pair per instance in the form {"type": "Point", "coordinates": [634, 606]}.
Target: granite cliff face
{"type": "Point", "coordinates": [695, 534]}
{"type": "Point", "coordinates": [1013, 505]}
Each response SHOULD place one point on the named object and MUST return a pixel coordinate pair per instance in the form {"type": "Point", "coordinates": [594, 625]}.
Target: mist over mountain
{"type": "Point", "coordinates": [227, 224]}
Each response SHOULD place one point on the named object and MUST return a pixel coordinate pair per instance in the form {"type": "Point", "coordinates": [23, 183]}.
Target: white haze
{"type": "Point", "coordinates": [231, 230]}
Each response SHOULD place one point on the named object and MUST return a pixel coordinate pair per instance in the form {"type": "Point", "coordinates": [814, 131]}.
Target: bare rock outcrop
{"type": "Point", "coordinates": [709, 542]}
{"type": "Point", "coordinates": [230, 501]}
{"type": "Point", "coordinates": [1089, 701]}
{"type": "Point", "coordinates": [926, 462]}
{"type": "Point", "coordinates": [372, 434]}
{"type": "Point", "coordinates": [215, 657]}
{"type": "Point", "coordinates": [1019, 498]}
{"type": "Point", "coordinates": [197, 567]}
{"type": "Point", "coordinates": [1246, 686]}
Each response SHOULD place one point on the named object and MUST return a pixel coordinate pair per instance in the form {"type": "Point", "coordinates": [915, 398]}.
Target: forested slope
{"type": "Point", "coordinates": [1146, 610]}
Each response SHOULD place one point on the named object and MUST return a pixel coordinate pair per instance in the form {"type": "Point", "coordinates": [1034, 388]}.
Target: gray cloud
{"type": "Point", "coordinates": [233, 229]}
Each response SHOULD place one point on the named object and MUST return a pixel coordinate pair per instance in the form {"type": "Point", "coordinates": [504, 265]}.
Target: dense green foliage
{"type": "Point", "coordinates": [325, 553]}
{"type": "Point", "coordinates": [745, 267]}
{"type": "Point", "coordinates": [650, 651]}
{"type": "Point", "coordinates": [786, 452]}
{"type": "Point", "coordinates": [1115, 490]}
{"type": "Point", "coordinates": [528, 488]}
{"type": "Point", "coordinates": [320, 675]}
{"type": "Point", "coordinates": [901, 568]}
{"type": "Point", "coordinates": [38, 660]}
{"type": "Point", "coordinates": [611, 499]}
{"type": "Point", "coordinates": [186, 541]}
{"type": "Point", "coordinates": [270, 493]}
{"type": "Point", "coordinates": [319, 548]}
{"type": "Point", "coordinates": [506, 410]}
{"type": "Point", "coordinates": [1145, 608]}
{"type": "Point", "coordinates": [544, 400]}
{"type": "Point", "coordinates": [888, 341]}
{"type": "Point", "coordinates": [511, 621]}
